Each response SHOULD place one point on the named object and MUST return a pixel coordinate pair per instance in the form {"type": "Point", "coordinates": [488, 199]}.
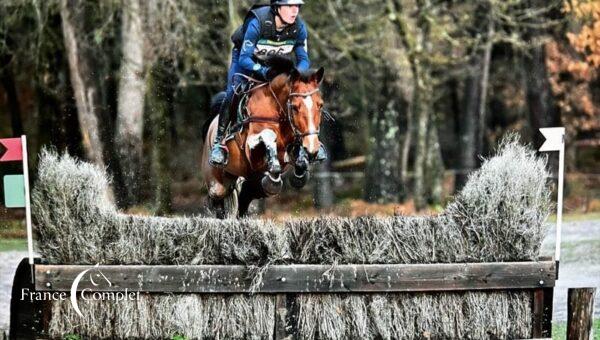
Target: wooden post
{"type": "Point", "coordinates": [542, 312]}
{"type": "Point", "coordinates": [27, 316]}
{"type": "Point", "coordinates": [580, 313]}
{"type": "Point", "coordinates": [280, 317]}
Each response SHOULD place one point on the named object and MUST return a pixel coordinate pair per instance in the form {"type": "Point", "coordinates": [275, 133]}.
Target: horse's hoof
{"type": "Point", "coordinates": [320, 156]}
{"type": "Point", "coordinates": [271, 186]}
{"type": "Point", "coordinates": [298, 181]}
{"type": "Point", "coordinates": [301, 165]}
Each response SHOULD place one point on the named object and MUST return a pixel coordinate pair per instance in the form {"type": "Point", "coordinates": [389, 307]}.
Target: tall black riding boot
{"type": "Point", "coordinates": [218, 154]}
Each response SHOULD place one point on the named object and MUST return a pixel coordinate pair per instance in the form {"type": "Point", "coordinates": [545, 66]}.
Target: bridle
{"type": "Point", "coordinates": [298, 135]}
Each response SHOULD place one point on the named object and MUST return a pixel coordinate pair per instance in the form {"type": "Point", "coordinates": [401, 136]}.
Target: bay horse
{"type": "Point", "coordinates": [280, 133]}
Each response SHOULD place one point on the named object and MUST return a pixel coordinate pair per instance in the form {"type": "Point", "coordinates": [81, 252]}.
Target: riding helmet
{"type": "Point", "coordinates": [286, 2]}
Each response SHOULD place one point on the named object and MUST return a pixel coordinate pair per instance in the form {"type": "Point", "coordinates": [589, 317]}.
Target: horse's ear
{"type": "Point", "coordinates": [318, 76]}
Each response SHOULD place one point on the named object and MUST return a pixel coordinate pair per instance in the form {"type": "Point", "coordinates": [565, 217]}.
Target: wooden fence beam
{"type": "Point", "coordinates": [301, 278]}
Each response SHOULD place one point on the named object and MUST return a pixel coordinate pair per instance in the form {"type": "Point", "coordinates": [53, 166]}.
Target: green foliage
{"type": "Point", "coordinates": [13, 244]}
{"type": "Point", "coordinates": [72, 337]}
{"type": "Point", "coordinates": [559, 330]}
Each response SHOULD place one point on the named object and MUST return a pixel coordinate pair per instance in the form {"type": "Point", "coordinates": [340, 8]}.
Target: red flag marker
{"type": "Point", "coordinates": [14, 150]}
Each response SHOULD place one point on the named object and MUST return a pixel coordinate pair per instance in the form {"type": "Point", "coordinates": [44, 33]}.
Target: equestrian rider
{"type": "Point", "coordinates": [267, 30]}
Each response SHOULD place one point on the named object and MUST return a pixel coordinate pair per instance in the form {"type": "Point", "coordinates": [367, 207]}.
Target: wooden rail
{"type": "Point", "coordinates": [300, 278]}
{"type": "Point", "coordinates": [29, 319]}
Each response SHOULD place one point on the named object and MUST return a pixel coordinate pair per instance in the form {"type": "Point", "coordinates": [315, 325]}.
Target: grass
{"type": "Point", "coordinates": [559, 330]}
{"type": "Point", "coordinates": [12, 244]}
{"type": "Point", "coordinates": [577, 217]}
{"type": "Point", "coordinates": [12, 228]}
{"type": "Point", "coordinates": [584, 251]}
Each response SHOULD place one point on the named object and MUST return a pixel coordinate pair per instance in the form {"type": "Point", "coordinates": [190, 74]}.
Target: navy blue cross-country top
{"type": "Point", "coordinates": [255, 47]}
{"type": "Point", "coordinates": [261, 39]}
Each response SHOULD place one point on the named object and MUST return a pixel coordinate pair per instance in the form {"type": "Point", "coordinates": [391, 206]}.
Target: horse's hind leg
{"type": "Point", "coordinates": [217, 206]}
{"type": "Point", "coordinates": [251, 190]}
{"type": "Point", "coordinates": [218, 193]}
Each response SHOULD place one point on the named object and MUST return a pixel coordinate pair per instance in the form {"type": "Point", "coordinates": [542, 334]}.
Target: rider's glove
{"type": "Point", "coordinates": [264, 72]}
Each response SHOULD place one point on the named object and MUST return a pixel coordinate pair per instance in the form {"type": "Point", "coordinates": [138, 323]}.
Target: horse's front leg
{"type": "Point", "coordinates": [299, 175]}
{"type": "Point", "coordinates": [271, 182]}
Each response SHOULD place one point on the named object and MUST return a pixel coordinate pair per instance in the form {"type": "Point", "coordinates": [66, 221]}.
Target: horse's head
{"type": "Point", "coordinates": [304, 106]}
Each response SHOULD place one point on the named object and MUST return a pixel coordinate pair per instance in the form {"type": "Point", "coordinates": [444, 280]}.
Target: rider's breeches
{"type": "Point", "coordinates": [224, 111]}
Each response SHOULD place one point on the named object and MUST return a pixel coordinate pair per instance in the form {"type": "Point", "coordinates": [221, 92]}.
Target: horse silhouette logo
{"type": "Point", "coordinates": [93, 272]}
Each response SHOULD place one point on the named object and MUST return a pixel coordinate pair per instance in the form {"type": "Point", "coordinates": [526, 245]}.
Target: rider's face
{"type": "Point", "coordinates": [289, 13]}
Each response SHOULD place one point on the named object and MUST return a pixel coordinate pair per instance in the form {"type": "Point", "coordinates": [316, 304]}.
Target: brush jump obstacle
{"type": "Point", "coordinates": [472, 272]}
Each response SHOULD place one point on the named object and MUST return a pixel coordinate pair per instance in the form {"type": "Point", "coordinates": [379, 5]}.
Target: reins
{"type": "Point", "coordinates": [297, 133]}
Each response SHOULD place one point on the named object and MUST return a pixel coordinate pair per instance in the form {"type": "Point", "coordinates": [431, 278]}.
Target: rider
{"type": "Point", "coordinates": [267, 30]}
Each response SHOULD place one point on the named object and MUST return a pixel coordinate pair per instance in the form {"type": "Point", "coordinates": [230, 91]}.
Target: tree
{"type": "Point", "coordinates": [416, 38]}
{"type": "Point", "coordinates": [160, 92]}
{"type": "Point", "coordinates": [129, 124]}
{"type": "Point", "coordinates": [85, 89]}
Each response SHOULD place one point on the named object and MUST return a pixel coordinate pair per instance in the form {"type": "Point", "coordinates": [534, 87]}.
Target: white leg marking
{"type": "Point", "coordinates": [266, 136]}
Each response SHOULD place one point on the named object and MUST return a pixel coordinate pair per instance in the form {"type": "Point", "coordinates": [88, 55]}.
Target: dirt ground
{"type": "Point", "coordinates": [580, 266]}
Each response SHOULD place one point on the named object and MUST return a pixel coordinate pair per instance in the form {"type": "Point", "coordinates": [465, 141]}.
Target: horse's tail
{"type": "Point", "coordinates": [215, 105]}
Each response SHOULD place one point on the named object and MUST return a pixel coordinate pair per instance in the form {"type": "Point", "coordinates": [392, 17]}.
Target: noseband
{"type": "Point", "coordinates": [297, 133]}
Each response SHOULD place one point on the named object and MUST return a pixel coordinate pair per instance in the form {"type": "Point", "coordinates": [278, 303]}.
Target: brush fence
{"type": "Point", "coordinates": [286, 281]}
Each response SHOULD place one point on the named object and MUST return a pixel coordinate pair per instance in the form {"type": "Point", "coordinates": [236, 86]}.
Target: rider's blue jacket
{"type": "Point", "coordinates": [257, 39]}
{"type": "Point", "coordinates": [255, 48]}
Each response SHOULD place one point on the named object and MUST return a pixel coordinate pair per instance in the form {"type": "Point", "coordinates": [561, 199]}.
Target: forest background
{"type": "Point", "coordinates": [419, 91]}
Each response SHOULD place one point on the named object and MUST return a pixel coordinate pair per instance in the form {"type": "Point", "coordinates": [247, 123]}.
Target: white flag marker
{"type": "Point", "coordinates": [555, 141]}
{"type": "Point", "coordinates": [27, 203]}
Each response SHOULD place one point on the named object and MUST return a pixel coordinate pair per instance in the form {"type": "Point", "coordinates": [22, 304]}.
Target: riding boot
{"type": "Point", "coordinates": [219, 152]}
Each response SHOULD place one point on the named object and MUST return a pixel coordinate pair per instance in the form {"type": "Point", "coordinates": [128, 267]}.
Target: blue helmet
{"type": "Point", "coordinates": [286, 2]}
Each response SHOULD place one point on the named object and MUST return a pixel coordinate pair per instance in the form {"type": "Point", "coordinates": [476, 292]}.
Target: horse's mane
{"type": "Point", "coordinates": [284, 65]}
{"type": "Point", "coordinates": [279, 65]}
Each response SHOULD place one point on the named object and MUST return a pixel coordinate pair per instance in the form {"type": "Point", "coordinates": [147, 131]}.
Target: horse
{"type": "Point", "coordinates": [280, 134]}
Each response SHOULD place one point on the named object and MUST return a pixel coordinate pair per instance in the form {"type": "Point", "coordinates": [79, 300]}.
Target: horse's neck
{"type": "Point", "coordinates": [266, 104]}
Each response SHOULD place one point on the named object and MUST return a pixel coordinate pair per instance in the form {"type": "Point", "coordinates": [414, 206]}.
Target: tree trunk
{"type": "Point", "coordinates": [323, 196]}
{"type": "Point", "coordinates": [422, 111]}
{"type": "Point", "coordinates": [129, 124]}
{"type": "Point", "coordinates": [417, 45]}
{"type": "Point", "coordinates": [434, 166]}
{"type": "Point", "coordinates": [84, 88]}
{"type": "Point", "coordinates": [472, 129]}
{"type": "Point", "coordinates": [543, 111]}
{"type": "Point", "coordinates": [406, 143]}
{"type": "Point", "coordinates": [382, 183]}
{"type": "Point", "coordinates": [8, 82]}
{"type": "Point", "coordinates": [161, 90]}
{"type": "Point", "coordinates": [468, 124]}
{"type": "Point", "coordinates": [483, 88]}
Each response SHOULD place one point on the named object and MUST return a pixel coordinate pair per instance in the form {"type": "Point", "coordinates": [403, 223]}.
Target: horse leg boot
{"type": "Point", "coordinates": [219, 152]}
{"type": "Point", "coordinates": [272, 183]}
{"type": "Point", "coordinates": [299, 176]}
{"type": "Point", "coordinates": [274, 167]}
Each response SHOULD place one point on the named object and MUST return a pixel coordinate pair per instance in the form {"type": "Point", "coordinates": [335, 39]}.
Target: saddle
{"type": "Point", "coordinates": [239, 102]}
